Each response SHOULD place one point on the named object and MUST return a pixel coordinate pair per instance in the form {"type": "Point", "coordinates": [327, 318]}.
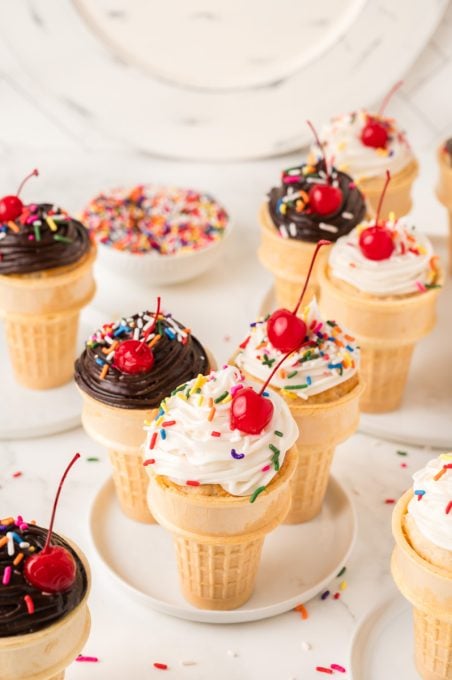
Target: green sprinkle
{"type": "Point", "coordinates": [401, 453]}
{"type": "Point", "coordinates": [292, 374]}
{"type": "Point", "coordinates": [331, 323]}
{"type": "Point", "coordinates": [256, 493]}
{"type": "Point", "coordinates": [275, 461]}
{"type": "Point", "coordinates": [179, 389]}
{"type": "Point", "coordinates": [268, 362]}
{"type": "Point", "coordinates": [295, 387]}
{"type": "Point", "coordinates": [342, 572]}
{"type": "Point", "coordinates": [37, 232]}
{"type": "Point", "coordinates": [273, 448]}
{"type": "Point", "coordinates": [278, 433]}
{"type": "Point", "coordinates": [93, 459]}
{"type": "Point", "coordinates": [62, 239]}
{"type": "Point", "coordinates": [221, 397]}
{"type": "Point", "coordinates": [432, 285]}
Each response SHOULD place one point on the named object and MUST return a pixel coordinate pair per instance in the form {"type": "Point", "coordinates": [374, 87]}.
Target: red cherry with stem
{"type": "Point", "coordinates": [376, 242]}
{"type": "Point", "coordinates": [375, 132]}
{"type": "Point", "coordinates": [135, 356]}
{"type": "Point", "coordinates": [324, 199]}
{"type": "Point", "coordinates": [11, 206]}
{"type": "Point", "coordinates": [53, 570]}
{"type": "Point", "coordinates": [250, 411]}
{"type": "Point", "coordinates": [285, 330]}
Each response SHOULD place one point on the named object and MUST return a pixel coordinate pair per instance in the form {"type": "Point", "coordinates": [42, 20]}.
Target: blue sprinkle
{"type": "Point", "coordinates": [237, 456]}
{"type": "Point", "coordinates": [16, 537]}
{"type": "Point", "coordinates": [335, 365]}
{"type": "Point", "coordinates": [350, 348]}
{"type": "Point", "coordinates": [100, 361]}
{"type": "Point", "coordinates": [309, 380]}
{"type": "Point", "coordinates": [419, 492]}
{"type": "Point", "coordinates": [163, 433]}
{"type": "Point", "coordinates": [170, 333]}
{"type": "Point", "coordinates": [265, 394]}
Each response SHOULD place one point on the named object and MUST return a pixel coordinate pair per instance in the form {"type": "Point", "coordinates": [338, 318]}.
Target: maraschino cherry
{"type": "Point", "coordinates": [11, 206]}
{"type": "Point", "coordinates": [53, 570]}
{"type": "Point", "coordinates": [324, 199]}
{"type": "Point", "coordinates": [250, 411]}
{"type": "Point", "coordinates": [375, 132]}
{"type": "Point", "coordinates": [285, 330]}
{"type": "Point", "coordinates": [135, 356]}
{"type": "Point", "coordinates": [376, 242]}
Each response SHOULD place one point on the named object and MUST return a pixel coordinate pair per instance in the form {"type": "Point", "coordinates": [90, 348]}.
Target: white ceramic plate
{"type": "Point", "coordinates": [26, 413]}
{"type": "Point", "coordinates": [209, 78]}
{"type": "Point", "coordinates": [382, 646]}
{"type": "Point", "coordinates": [297, 561]}
{"type": "Point", "coordinates": [425, 415]}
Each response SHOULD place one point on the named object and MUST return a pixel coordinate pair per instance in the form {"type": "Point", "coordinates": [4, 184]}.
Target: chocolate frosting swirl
{"type": "Point", "coordinates": [44, 237]}
{"type": "Point", "coordinates": [290, 210]}
{"type": "Point", "coordinates": [48, 607]}
{"type": "Point", "coordinates": [178, 357]}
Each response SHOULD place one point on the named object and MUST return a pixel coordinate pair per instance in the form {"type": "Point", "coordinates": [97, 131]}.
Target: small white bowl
{"type": "Point", "coordinates": [155, 269]}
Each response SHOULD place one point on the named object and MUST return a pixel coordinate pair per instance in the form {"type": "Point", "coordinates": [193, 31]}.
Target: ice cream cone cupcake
{"type": "Point", "coordinates": [44, 617]}
{"type": "Point", "coordinates": [444, 186]}
{"type": "Point", "coordinates": [125, 370]}
{"type": "Point", "coordinates": [46, 262]}
{"type": "Point", "coordinates": [365, 145]}
{"type": "Point", "coordinates": [220, 461]}
{"type": "Point", "coordinates": [421, 565]}
{"type": "Point", "coordinates": [314, 202]}
{"type": "Point", "coordinates": [382, 281]}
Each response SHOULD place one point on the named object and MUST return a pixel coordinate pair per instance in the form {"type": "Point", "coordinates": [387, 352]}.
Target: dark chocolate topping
{"type": "Point", "coordinates": [178, 357]}
{"type": "Point", "coordinates": [290, 211]}
{"type": "Point", "coordinates": [48, 607]}
{"type": "Point", "coordinates": [44, 237]}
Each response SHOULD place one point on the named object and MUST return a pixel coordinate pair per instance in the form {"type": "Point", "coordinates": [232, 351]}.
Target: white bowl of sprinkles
{"type": "Point", "coordinates": [157, 235]}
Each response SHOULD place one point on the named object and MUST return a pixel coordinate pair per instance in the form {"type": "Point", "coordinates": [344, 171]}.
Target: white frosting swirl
{"type": "Point", "coordinates": [409, 269]}
{"type": "Point", "coordinates": [432, 514]}
{"type": "Point", "coordinates": [331, 358]}
{"type": "Point", "coordinates": [341, 139]}
{"type": "Point", "coordinates": [189, 451]}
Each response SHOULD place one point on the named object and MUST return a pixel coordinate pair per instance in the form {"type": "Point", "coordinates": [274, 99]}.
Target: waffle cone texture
{"type": "Point", "coordinates": [386, 329]}
{"type": "Point", "coordinates": [397, 199]}
{"type": "Point", "coordinates": [288, 260]}
{"type": "Point", "coordinates": [41, 315]}
{"type": "Point", "coordinates": [219, 537]}
{"type": "Point", "coordinates": [44, 655]}
{"type": "Point", "coordinates": [121, 432]}
{"type": "Point", "coordinates": [444, 194]}
{"type": "Point", "coordinates": [428, 587]}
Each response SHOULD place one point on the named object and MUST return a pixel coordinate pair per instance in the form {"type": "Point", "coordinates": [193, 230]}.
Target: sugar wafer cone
{"type": "Point", "coordinates": [397, 199]}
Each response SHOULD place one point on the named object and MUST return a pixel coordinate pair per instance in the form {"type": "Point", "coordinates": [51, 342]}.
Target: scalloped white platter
{"type": "Point", "coordinates": [209, 79]}
{"type": "Point", "coordinates": [298, 561]}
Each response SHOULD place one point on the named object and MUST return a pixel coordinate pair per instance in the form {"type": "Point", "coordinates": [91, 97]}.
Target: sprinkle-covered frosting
{"type": "Point", "coordinates": [150, 218]}
{"type": "Point", "coordinates": [43, 237]}
{"type": "Point", "coordinates": [431, 505]}
{"type": "Point", "coordinates": [291, 213]}
{"type": "Point", "coordinates": [412, 267]}
{"type": "Point", "coordinates": [178, 356]}
{"type": "Point", "coordinates": [341, 139]}
{"type": "Point", "coordinates": [191, 441]}
{"type": "Point", "coordinates": [329, 357]}
{"type": "Point", "coordinates": [23, 608]}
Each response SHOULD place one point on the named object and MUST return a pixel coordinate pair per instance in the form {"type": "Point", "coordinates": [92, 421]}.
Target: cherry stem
{"type": "Point", "coordinates": [385, 101]}
{"type": "Point", "coordinates": [281, 361]}
{"type": "Point", "coordinates": [322, 150]}
{"type": "Point", "coordinates": [55, 503]}
{"type": "Point", "coordinates": [322, 242]}
{"type": "Point", "coordinates": [35, 173]}
{"type": "Point", "coordinates": [156, 316]}
{"type": "Point", "coordinates": [382, 195]}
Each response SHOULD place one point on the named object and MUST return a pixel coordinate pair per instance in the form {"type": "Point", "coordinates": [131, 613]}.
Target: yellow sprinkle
{"type": "Point", "coordinates": [182, 396]}
{"type": "Point", "coordinates": [199, 382]}
{"type": "Point", "coordinates": [159, 421]}
{"type": "Point", "coordinates": [443, 456]}
{"type": "Point", "coordinates": [51, 223]}
{"type": "Point", "coordinates": [392, 216]}
{"type": "Point", "coordinates": [288, 395]}
{"type": "Point", "coordinates": [147, 423]}
{"type": "Point", "coordinates": [200, 400]}
{"type": "Point", "coordinates": [381, 152]}
{"type": "Point", "coordinates": [283, 209]}
{"type": "Point", "coordinates": [342, 585]}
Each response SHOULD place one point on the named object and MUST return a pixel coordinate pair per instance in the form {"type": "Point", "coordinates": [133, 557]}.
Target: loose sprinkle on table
{"type": "Point", "coordinates": [160, 666]}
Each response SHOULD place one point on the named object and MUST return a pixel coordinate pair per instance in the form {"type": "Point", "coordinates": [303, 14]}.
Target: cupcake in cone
{"type": "Point", "coordinates": [44, 617]}
{"type": "Point", "coordinates": [365, 145]}
{"type": "Point", "coordinates": [314, 202]}
{"type": "Point", "coordinates": [320, 383]}
{"type": "Point", "coordinates": [124, 372]}
{"type": "Point", "coordinates": [382, 281]}
{"type": "Point", "coordinates": [220, 461]}
{"type": "Point", "coordinates": [46, 262]}
{"type": "Point", "coordinates": [444, 186]}
{"type": "Point", "coordinates": [421, 565]}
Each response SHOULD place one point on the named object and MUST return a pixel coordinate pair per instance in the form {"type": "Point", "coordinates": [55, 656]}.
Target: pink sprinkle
{"type": "Point", "coordinates": [266, 468]}
{"type": "Point", "coordinates": [448, 507]}
{"type": "Point", "coordinates": [31, 237]}
{"type": "Point", "coordinates": [235, 388]}
{"type": "Point", "coordinates": [336, 667]}
{"type": "Point", "coordinates": [87, 659]}
{"type": "Point", "coordinates": [6, 575]}
{"type": "Point", "coordinates": [17, 474]}
{"type": "Point", "coordinates": [420, 286]}
{"type": "Point", "coordinates": [403, 465]}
